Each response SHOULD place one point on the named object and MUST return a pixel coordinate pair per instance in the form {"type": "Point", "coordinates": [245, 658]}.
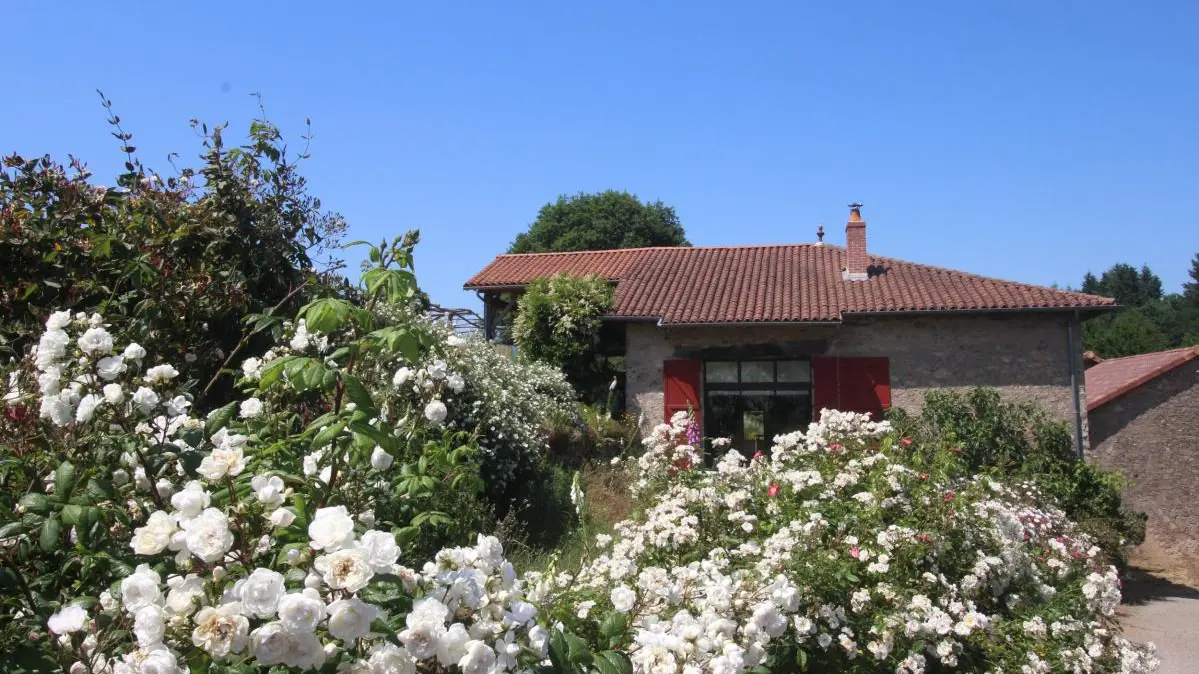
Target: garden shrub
{"type": "Point", "coordinates": [175, 262]}
{"type": "Point", "coordinates": [558, 321]}
{"type": "Point", "coordinates": [845, 549]}
{"type": "Point", "coordinates": [1020, 440]}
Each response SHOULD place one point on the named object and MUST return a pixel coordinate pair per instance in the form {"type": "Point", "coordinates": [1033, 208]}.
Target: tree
{"type": "Point", "coordinates": [1124, 334]}
{"type": "Point", "coordinates": [601, 221]}
{"type": "Point", "coordinates": [558, 322]}
{"type": "Point", "coordinates": [1190, 290]}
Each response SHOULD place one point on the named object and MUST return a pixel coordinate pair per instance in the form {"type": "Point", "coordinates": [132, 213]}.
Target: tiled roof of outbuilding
{"type": "Point", "coordinates": [1114, 377]}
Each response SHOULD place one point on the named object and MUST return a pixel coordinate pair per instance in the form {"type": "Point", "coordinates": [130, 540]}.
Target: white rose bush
{"type": "Point", "coordinates": [279, 532]}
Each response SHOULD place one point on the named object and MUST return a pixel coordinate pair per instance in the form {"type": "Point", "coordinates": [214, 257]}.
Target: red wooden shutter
{"type": "Point", "coordinates": [681, 386]}
{"type": "Point", "coordinates": [851, 384]}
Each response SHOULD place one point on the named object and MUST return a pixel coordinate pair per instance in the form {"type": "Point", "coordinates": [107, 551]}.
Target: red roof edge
{"type": "Point", "coordinates": [1185, 355]}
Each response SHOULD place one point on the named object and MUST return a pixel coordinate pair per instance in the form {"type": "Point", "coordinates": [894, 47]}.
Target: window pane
{"type": "Point", "coordinates": [720, 372]}
{"type": "Point", "coordinates": [757, 372]}
{"type": "Point", "coordinates": [789, 411]}
{"type": "Point", "coordinates": [794, 371]}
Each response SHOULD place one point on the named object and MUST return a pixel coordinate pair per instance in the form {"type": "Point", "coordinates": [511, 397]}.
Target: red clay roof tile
{"type": "Point", "coordinates": [788, 283]}
{"type": "Point", "coordinates": [1114, 377]}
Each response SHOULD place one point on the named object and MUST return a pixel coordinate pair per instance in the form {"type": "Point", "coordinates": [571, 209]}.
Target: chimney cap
{"type": "Point", "coordinates": [855, 212]}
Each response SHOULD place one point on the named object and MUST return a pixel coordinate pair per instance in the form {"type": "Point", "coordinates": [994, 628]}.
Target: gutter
{"type": "Point", "coordinates": [741, 324]}
{"type": "Point", "coordinates": [1012, 310]}
{"type": "Point", "coordinates": [1074, 383]}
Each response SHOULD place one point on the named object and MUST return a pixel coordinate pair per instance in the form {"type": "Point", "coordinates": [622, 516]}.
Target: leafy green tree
{"type": "Point", "coordinates": [1190, 290]}
{"type": "Point", "coordinates": [558, 321]}
{"type": "Point", "coordinates": [1124, 334]}
{"type": "Point", "coordinates": [175, 261]}
{"type": "Point", "coordinates": [1129, 287]}
{"type": "Point", "coordinates": [601, 221]}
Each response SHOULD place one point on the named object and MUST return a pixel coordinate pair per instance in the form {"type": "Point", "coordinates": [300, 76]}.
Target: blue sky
{"type": "Point", "coordinates": [1023, 140]}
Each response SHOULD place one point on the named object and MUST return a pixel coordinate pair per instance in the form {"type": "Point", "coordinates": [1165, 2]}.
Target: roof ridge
{"type": "Point", "coordinates": [645, 248]}
{"type": "Point", "coordinates": [1194, 350]}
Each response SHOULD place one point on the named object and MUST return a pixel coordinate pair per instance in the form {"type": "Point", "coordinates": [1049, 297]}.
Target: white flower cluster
{"type": "Point", "coordinates": [78, 375]}
{"type": "Point", "coordinates": [845, 553]}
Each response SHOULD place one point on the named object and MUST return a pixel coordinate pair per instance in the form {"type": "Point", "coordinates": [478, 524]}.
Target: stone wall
{"type": "Point", "coordinates": [1151, 435]}
{"type": "Point", "coordinates": [1025, 355]}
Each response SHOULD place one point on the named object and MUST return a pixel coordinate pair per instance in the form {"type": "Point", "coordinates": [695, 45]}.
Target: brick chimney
{"type": "Point", "coordinates": [856, 262]}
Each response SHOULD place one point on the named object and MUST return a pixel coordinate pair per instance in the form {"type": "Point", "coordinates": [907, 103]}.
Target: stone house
{"type": "Point", "coordinates": [757, 339]}
{"type": "Point", "coordinates": [1144, 422]}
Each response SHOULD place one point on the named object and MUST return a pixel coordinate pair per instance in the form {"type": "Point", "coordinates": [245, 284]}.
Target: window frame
{"type": "Point", "coordinates": [771, 388]}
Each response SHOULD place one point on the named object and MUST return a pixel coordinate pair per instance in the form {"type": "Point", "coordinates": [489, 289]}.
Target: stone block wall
{"type": "Point", "coordinates": [1025, 356]}
{"type": "Point", "coordinates": [1151, 435]}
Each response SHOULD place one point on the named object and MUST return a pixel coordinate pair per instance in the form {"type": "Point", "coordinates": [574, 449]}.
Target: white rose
{"type": "Point", "coordinates": [191, 500]}
{"type": "Point", "coordinates": [348, 569]}
{"type": "Point", "coordinates": [268, 489]}
{"type": "Point", "coordinates": [87, 407]}
{"type": "Point", "coordinates": [208, 535]}
{"type": "Point", "coordinates": [110, 368]}
{"type": "Point", "coordinates": [220, 630]}
{"type": "Point", "coordinates": [161, 373]}
{"type": "Point", "coordinates": [623, 599]}
{"type": "Point", "coordinates": [435, 411]}
{"type": "Point", "coordinates": [141, 588]}
{"type": "Point", "coordinates": [58, 409]}
{"type": "Point", "coordinates": [145, 399]}
{"type": "Point", "coordinates": [157, 659]}
{"type": "Point", "coordinates": [107, 601]}
{"type": "Point", "coordinates": [305, 652]}
{"type": "Point", "coordinates": [452, 645]}
{"type": "Point", "coordinates": [402, 376]}
{"type": "Point", "coordinates": [95, 341]}
{"type": "Point", "coordinates": [456, 383]}
{"type": "Point", "coordinates": [177, 406]}
{"type": "Point", "coordinates": [388, 658]}
{"type": "Point", "coordinates": [261, 591]}
{"type": "Point", "coordinates": [426, 626]}
{"type": "Point", "coordinates": [281, 518]}
{"type": "Point", "coordinates": [154, 537]}
{"type": "Point", "coordinates": [251, 368]}
{"type": "Point", "coordinates": [181, 600]}
{"type": "Point", "coordinates": [331, 529]}
{"type": "Point", "coordinates": [250, 408]}
{"type": "Point", "coordinates": [299, 612]}
{"type": "Point", "coordinates": [270, 644]}
{"type": "Point", "coordinates": [222, 461]}
{"type": "Point", "coordinates": [49, 382]}
{"type": "Point", "coordinates": [437, 369]}
{"type": "Point", "coordinates": [350, 619]}
{"type": "Point", "coordinates": [114, 394]}
{"type": "Point", "coordinates": [539, 639]}
{"type": "Point", "coordinates": [479, 658]}
{"type": "Point", "coordinates": [380, 459]}
{"type": "Point", "coordinates": [134, 352]}
{"type": "Point", "coordinates": [149, 625]}
{"type": "Point", "coordinates": [58, 320]}
{"type": "Point", "coordinates": [380, 549]}
{"type": "Point", "coordinates": [70, 619]}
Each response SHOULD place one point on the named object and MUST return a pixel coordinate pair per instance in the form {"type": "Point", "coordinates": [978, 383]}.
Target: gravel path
{"type": "Point", "coordinates": [1167, 614]}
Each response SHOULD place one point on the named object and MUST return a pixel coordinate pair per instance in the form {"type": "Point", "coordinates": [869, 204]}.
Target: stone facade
{"type": "Point", "coordinates": [1024, 355]}
{"type": "Point", "coordinates": [1151, 436]}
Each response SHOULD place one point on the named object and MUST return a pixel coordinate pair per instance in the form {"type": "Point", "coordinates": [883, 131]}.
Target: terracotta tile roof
{"type": "Point", "coordinates": [1116, 376]}
{"type": "Point", "coordinates": [789, 283]}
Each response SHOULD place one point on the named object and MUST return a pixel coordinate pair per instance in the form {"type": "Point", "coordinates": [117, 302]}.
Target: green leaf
{"type": "Point", "coordinates": [11, 529]}
{"type": "Point", "coordinates": [51, 533]}
{"type": "Point", "coordinates": [325, 314]}
{"type": "Point", "coordinates": [64, 480]}
{"type": "Point", "coordinates": [577, 650]}
{"type": "Point", "coordinates": [35, 503]}
{"type": "Point", "coordinates": [70, 514]}
{"type": "Point", "coordinates": [614, 625]}
{"type": "Point", "coordinates": [328, 434]}
{"type": "Point", "coordinates": [559, 652]}
{"type": "Point", "coordinates": [801, 659]}
{"type": "Point", "coordinates": [220, 418]}
{"type": "Point", "coordinates": [613, 662]}
{"type": "Point", "coordinates": [358, 393]}
{"type": "Point", "coordinates": [377, 436]}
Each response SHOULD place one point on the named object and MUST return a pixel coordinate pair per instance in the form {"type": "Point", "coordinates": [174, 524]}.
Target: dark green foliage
{"type": "Point", "coordinates": [558, 322]}
{"type": "Point", "coordinates": [174, 262]}
{"type": "Point", "coordinates": [1151, 322]}
{"type": "Point", "coordinates": [1020, 441]}
{"type": "Point", "coordinates": [600, 221]}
